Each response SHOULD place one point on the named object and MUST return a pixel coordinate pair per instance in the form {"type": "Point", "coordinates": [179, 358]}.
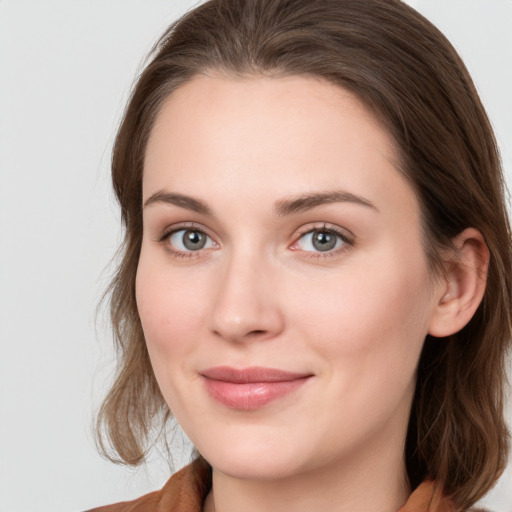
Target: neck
{"type": "Point", "coordinates": [363, 483]}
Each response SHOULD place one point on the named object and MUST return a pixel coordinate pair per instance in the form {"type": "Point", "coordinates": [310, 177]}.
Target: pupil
{"type": "Point", "coordinates": [194, 240]}
{"type": "Point", "coordinates": [324, 241]}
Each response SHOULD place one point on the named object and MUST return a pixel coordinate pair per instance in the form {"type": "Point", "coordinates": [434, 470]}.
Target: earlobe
{"type": "Point", "coordinates": [463, 284]}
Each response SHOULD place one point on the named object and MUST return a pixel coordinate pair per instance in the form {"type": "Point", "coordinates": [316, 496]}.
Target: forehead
{"type": "Point", "coordinates": [217, 133]}
{"type": "Point", "coordinates": [253, 103]}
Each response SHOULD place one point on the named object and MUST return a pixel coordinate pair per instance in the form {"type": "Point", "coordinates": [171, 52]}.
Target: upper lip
{"type": "Point", "coordinates": [251, 374]}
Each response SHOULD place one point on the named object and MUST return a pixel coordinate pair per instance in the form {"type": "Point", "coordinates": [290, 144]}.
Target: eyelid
{"type": "Point", "coordinates": [325, 226]}
{"type": "Point", "coordinates": [194, 226]}
{"type": "Point", "coordinates": [184, 226]}
{"type": "Point", "coordinates": [346, 236]}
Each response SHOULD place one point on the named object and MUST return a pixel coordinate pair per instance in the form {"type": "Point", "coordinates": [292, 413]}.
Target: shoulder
{"type": "Point", "coordinates": [429, 496]}
{"type": "Point", "coordinates": [184, 492]}
{"type": "Point", "coordinates": [148, 502]}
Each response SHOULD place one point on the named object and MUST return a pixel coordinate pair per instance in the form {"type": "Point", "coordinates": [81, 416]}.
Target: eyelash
{"type": "Point", "coordinates": [347, 241]}
{"type": "Point", "coordinates": [164, 239]}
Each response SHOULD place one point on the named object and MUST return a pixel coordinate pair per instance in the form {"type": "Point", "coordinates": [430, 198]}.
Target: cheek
{"type": "Point", "coordinates": [374, 311]}
{"type": "Point", "coordinates": [170, 308]}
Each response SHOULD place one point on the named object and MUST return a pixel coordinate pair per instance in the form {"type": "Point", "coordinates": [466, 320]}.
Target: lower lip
{"type": "Point", "coordinates": [251, 395]}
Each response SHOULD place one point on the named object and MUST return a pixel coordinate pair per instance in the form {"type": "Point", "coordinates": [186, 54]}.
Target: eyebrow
{"type": "Point", "coordinates": [308, 201]}
{"type": "Point", "coordinates": [282, 207]}
{"type": "Point", "coordinates": [187, 202]}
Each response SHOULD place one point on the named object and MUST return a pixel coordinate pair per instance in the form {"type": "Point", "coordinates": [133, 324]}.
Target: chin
{"type": "Point", "coordinates": [258, 467]}
{"type": "Point", "coordinates": [253, 460]}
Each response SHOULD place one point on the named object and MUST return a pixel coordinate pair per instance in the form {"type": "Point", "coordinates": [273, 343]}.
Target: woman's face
{"type": "Point", "coordinates": [282, 286]}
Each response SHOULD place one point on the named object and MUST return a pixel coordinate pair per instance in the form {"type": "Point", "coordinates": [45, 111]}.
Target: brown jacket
{"type": "Point", "coordinates": [187, 489]}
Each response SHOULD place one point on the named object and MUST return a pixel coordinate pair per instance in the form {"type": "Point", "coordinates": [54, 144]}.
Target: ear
{"type": "Point", "coordinates": [463, 285]}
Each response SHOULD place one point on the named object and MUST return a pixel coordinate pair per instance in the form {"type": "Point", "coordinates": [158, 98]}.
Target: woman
{"type": "Point", "coordinates": [315, 278]}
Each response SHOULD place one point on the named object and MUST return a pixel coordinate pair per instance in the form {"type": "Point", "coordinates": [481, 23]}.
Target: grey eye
{"type": "Point", "coordinates": [320, 240]}
{"type": "Point", "coordinates": [324, 241]}
{"type": "Point", "coordinates": [186, 240]}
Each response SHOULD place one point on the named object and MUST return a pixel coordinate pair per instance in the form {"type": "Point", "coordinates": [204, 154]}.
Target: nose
{"type": "Point", "coordinates": [246, 305]}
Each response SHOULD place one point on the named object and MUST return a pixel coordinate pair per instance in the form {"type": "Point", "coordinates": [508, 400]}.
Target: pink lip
{"type": "Point", "coordinates": [250, 388]}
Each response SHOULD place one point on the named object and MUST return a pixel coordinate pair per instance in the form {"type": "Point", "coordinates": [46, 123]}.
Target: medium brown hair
{"type": "Point", "coordinates": [412, 79]}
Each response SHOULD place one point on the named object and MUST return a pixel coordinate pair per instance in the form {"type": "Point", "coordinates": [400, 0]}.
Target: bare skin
{"type": "Point", "coordinates": [278, 233]}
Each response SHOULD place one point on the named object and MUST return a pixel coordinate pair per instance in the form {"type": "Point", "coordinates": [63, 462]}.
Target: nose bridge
{"type": "Point", "coordinates": [245, 306]}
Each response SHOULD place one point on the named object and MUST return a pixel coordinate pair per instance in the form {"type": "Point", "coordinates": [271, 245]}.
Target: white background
{"type": "Point", "coordinates": [65, 71]}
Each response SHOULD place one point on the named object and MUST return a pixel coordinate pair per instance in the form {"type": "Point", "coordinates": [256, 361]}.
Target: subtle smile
{"type": "Point", "coordinates": [250, 388]}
